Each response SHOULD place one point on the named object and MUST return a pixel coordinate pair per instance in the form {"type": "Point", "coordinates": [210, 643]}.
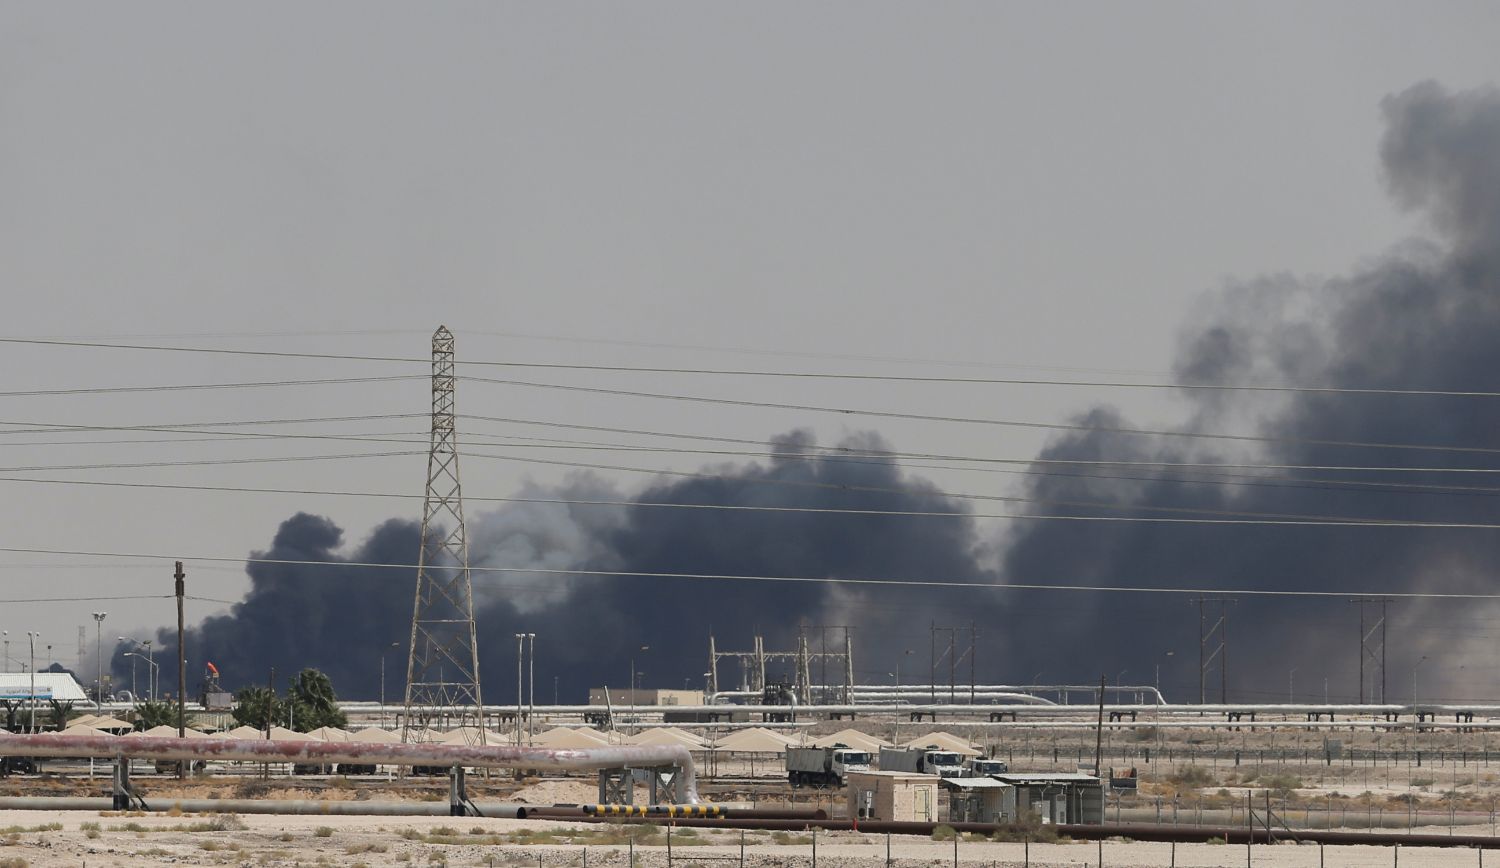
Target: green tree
{"type": "Point", "coordinates": [150, 714]}
{"type": "Point", "coordinates": [314, 704]}
{"type": "Point", "coordinates": [61, 713]}
{"type": "Point", "coordinates": [257, 706]}
{"type": "Point", "coordinates": [310, 700]}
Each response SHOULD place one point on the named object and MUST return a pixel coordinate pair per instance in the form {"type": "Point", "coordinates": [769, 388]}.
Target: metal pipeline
{"type": "Point", "coordinates": [317, 752]}
{"type": "Point", "coordinates": [347, 808]}
{"type": "Point", "coordinates": [1139, 832]}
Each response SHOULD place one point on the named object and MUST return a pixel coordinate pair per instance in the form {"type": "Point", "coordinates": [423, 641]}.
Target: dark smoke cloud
{"type": "Point", "coordinates": [1425, 315]}
{"type": "Point", "coordinates": [588, 629]}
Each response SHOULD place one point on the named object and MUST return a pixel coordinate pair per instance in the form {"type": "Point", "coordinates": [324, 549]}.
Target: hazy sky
{"type": "Point", "coordinates": [1024, 186]}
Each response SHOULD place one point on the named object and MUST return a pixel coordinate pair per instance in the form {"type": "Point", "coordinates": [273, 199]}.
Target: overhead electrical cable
{"type": "Point", "coordinates": [86, 599]}
{"type": "Point", "coordinates": [1072, 462]}
{"type": "Point", "coordinates": [185, 387]}
{"type": "Point", "coordinates": [808, 580]}
{"type": "Point", "coordinates": [275, 459]}
{"type": "Point", "coordinates": [1233, 387]}
{"type": "Point", "coordinates": [752, 480]}
{"type": "Point", "coordinates": [971, 420]}
{"type": "Point", "coordinates": [654, 345]}
{"type": "Point", "coordinates": [1311, 521]}
{"type": "Point", "coordinates": [31, 427]}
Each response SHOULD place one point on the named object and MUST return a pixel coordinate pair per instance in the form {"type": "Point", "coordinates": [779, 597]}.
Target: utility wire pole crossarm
{"type": "Point", "coordinates": [442, 670]}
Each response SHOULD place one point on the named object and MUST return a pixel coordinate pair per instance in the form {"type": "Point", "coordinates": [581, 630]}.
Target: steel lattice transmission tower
{"type": "Point", "coordinates": [442, 669]}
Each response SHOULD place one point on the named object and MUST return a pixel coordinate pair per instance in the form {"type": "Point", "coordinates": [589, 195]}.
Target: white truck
{"type": "Point", "coordinates": [930, 760]}
{"type": "Point", "coordinates": [824, 766]}
{"type": "Point", "coordinates": [983, 767]}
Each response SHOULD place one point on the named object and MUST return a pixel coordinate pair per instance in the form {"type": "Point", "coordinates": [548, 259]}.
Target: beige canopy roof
{"type": "Point", "coordinates": [853, 738]}
{"type": "Point", "coordinates": [77, 729]}
{"type": "Point", "coordinates": [328, 733]}
{"type": "Point", "coordinates": [946, 741]}
{"type": "Point", "coordinates": [110, 724]}
{"type": "Point", "coordinates": [375, 735]}
{"type": "Point", "coordinates": [245, 732]}
{"type": "Point", "coordinates": [668, 736]}
{"type": "Point", "coordinates": [470, 735]}
{"type": "Point", "coordinates": [566, 737]}
{"type": "Point", "coordinates": [281, 733]}
{"type": "Point", "coordinates": [754, 740]}
{"type": "Point", "coordinates": [165, 731]}
{"type": "Point", "coordinates": [83, 720]}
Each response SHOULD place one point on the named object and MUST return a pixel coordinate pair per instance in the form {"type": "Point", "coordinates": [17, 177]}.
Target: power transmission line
{"type": "Point", "coordinates": [1310, 522]}
{"type": "Point", "coordinates": [187, 387]}
{"type": "Point", "coordinates": [810, 580]}
{"type": "Point", "coordinates": [761, 373]}
{"type": "Point", "coordinates": [971, 420]}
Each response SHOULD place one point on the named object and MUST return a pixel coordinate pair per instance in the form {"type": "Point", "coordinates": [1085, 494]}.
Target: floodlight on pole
{"type": "Point", "coordinates": [99, 652]}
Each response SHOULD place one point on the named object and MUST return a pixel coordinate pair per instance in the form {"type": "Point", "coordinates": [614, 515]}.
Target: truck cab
{"type": "Point", "coordinates": [943, 763]}
{"type": "Point", "coordinates": [981, 767]}
{"type": "Point", "coordinates": [824, 766]}
{"type": "Point", "coordinates": [846, 760]}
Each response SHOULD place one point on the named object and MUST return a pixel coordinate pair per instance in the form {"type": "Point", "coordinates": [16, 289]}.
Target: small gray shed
{"type": "Point", "coordinates": [980, 800]}
{"type": "Point", "coordinates": [1057, 798]}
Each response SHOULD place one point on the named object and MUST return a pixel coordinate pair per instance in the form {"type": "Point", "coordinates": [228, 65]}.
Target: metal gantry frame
{"type": "Point", "coordinates": [442, 670]}
{"type": "Point", "coordinates": [753, 663]}
{"type": "Point", "coordinates": [1219, 631]}
{"type": "Point", "coordinates": [954, 656]}
{"type": "Point", "coordinates": [1372, 646]}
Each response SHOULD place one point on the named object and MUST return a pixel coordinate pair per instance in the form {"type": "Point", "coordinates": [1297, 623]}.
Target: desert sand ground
{"type": "Point", "coordinates": [1190, 776]}
{"type": "Point", "coordinates": [36, 840]}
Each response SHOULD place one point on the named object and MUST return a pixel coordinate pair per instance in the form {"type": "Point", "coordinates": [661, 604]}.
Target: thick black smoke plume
{"type": "Point", "coordinates": [1424, 316]}
{"type": "Point", "coordinates": [343, 619]}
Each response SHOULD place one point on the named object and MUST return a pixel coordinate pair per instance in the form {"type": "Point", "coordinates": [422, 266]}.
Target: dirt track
{"type": "Point", "coordinates": [401, 841]}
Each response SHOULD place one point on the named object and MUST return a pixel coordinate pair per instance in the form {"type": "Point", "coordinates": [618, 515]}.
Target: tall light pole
{"type": "Point", "coordinates": [383, 652]}
{"type": "Point", "coordinates": [5, 634]}
{"type": "Point", "coordinates": [633, 682]}
{"type": "Point", "coordinates": [151, 664]}
{"type": "Point", "coordinates": [31, 637]}
{"type": "Point", "coordinates": [520, 658]}
{"type": "Point", "coordinates": [530, 684]}
{"type": "Point", "coordinates": [99, 652]}
{"type": "Point", "coordinates": [150, 659]}
{"type": "Point", "coordinates": [1414, 685]}
{"type": "Point", "coordinates": [135, 695]}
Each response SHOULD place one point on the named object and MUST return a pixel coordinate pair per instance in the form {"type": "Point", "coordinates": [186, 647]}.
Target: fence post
{"type": "Point", "coordinates": [815, 847]}
{"type": "Point", "coordinates": [1026, 849]}
{"type": "Point", "coordinates": [1174, 854]}
{"type": "Point", "coordinates": [742, 848]}
{"type": "Point", "coordinates": [1101, 852]}
{"type": "Point", "coordinates": [631, 840]}
{"type": "Point", "coordinates": [956, 835]}
{"type": "Point", "coordinates": [887, 849]}
{"type": "Point", "coordinates": [669, 845]}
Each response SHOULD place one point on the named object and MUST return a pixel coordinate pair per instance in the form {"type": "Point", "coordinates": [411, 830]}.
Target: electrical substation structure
{"type": "Point", "coordinates": [752, 665]}
{"type": "Point", "coordinates": [442, 669]}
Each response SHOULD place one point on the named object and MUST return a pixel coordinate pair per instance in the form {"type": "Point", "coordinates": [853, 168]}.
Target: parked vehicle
{"type": "Point", "coordinates": [930, 760]}
{"type": "Point", "coordinates": [983, 767]}
{"type": "Point", "coordinates": [824, 766]}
